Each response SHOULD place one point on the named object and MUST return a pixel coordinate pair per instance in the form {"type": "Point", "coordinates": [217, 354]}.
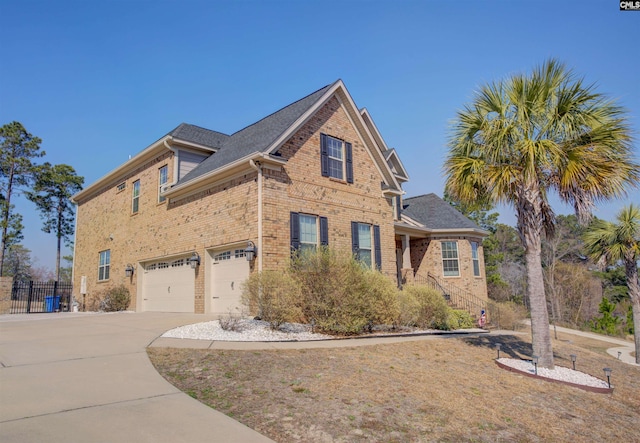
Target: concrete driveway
{"type": "Point", "coordinates": [86, 378]}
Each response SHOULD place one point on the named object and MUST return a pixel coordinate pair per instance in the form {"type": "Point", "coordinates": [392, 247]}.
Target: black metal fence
{"type": "Point", "coordinates": [36, 297]}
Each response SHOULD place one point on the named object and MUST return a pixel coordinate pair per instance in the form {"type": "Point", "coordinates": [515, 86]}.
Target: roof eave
{"type": "Point", "coordinates": [115, 175]}
{"type": "Point", "coordinates": [193, 145]}
{"type": "Point", "coordinates": [337, 88]}
{"type": "Point", "coordinates": [220, 173]}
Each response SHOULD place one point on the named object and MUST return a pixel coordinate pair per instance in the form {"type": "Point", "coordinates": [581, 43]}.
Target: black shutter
{"type": "Point", "coordinates": [349, 161]}
{"type": "Point", "coordinates": [398, 207]}
{"type": "Point", "coordinates": [355, 240]}
{"type": "Point", "coordinates": [324, 155]}
{"type": "Point", "coordinates": [324, 231]}
{"type": "Point", "coordinates": [378, 249]}
{"type": "Point", "coordinates": [294, 221]}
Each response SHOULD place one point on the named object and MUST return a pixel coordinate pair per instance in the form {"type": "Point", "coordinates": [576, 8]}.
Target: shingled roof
{"type": "Point", "coordinates": [198, 135]}
{"type": "Point", "coordinates": [434, 213]}
{"type": "Point", "coordinates": [257, 137]}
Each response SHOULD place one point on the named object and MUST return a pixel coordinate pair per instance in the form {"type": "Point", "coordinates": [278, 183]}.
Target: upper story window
{"type": "Point", "coordinates": [308, 231]}
{"type": "Point", "coordinates": [104, 264]}
{"type": "Point", "coordinates": [476, 260]}
{"type": "Point", "coordinates": [450, 265]}
{"type": "Point", "coordinates": [365, 239]}
{"type": "Point", "coordinates": [163, 178]}
{"type": "Point", "coordinates": [135, 197]}
{"type": "Point", "coordinates": [336, 158]}
{"type": "Point", "coordinates": [121, 186]}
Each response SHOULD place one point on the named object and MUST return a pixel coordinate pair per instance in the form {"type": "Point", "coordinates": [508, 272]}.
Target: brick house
{"type": "Point", "coordinates": [186, 220]}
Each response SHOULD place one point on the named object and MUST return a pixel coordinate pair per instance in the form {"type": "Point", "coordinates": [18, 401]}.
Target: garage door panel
{"type": "Point", "coordinates": [229, 270]}
{"type": "Point", "coordinates": [169, 287]}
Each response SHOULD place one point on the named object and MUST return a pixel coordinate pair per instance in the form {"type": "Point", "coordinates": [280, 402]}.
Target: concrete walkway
{"type": "Point", "coordinates": [87, 378]}
{"type": "Point", "coordinates": [626, 348]}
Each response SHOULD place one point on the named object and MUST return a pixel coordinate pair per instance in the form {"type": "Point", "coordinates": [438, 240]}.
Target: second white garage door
{"type": "Point", "coordinates": [169, 286]}
{"type": "Point", "coordinates": [229, 269]}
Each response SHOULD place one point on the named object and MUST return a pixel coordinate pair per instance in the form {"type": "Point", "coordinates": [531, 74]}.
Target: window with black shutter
{"type": "Point", "coordinates": [336, 158]}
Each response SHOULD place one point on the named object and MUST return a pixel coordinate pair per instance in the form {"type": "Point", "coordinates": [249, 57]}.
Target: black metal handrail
{"type": "Point", "coordinates": [457, 297]}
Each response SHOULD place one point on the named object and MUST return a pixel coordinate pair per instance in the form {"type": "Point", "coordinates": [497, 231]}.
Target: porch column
{"type": "Point", "coordinates": [407, 270]}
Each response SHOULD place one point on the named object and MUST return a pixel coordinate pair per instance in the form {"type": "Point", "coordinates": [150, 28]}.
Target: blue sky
{"type": "Point", "coordinates": [99, 81]}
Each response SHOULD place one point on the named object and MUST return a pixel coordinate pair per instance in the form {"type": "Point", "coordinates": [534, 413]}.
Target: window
{"type": "Point", "coordinates": [308, 231]}
{"type": "Point", "coordinates": [336, 158]}
{"type": "Point", "coordinates": [163, 178]}
{"type": "Point", "coordinates": [334, 151]}
{"type": "Point", "coordinates": [450, 259]}
{"type": "Point", "coordinates": [365, 240]}
{"type": "Point", "coordinates": [135, 197]}
{"type": "Point", "coordinates": [223, 256]}
{"type": "Point", "coordinates": [104, 265]}
{"type": "Point", "coordinates": [121, 186]}
{"type": "Point", "coordinates": [474, 257]}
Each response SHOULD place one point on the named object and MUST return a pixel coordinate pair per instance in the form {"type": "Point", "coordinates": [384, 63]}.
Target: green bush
{"type": "Point", "coordinates": [115, 299]}
{"type": "Point", "coordinates": [459, 319]}
{"type": "Point", "coordinates": [423, 307]}
{"type": "Point", "coordinates": [274, 297]}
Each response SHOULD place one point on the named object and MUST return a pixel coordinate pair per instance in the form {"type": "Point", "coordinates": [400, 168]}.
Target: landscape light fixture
{"type": "Point", "coordinates": [128, 271]}
{"type": "Point", "coordinates": [619, 354]}
{"type": "Point", "coordinates": [498, 346]}
{"type": "Point", "coordinates": [250, 251]}
{"type": "Point", "coordinates": [194, 260]}
{"type": "Point", "coordinates": [573, 360]}
{"type": "Point", "coordinates": [607, 372]}
{"type": "Point", "coordinates": [534, 359]}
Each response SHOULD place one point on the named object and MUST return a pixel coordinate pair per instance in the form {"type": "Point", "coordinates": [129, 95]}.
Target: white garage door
{"type": "Point", "coordinates": [169, 286]}
{"type": "Point", "coordinates": [229, 270]}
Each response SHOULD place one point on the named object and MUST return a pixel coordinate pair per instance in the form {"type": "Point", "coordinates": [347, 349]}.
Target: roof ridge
{"type": "Point", "coordinates": [202, 127]}
{"type": "Point", "coordinates": [422, 195]}
{"type": "Point", "coordinates": [284, 107]}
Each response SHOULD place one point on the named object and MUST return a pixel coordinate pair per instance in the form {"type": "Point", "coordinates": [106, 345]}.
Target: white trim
{"type": "Point", "coordinates": [175, 191]}
{"type": "Point", "coordinates": [105, 181]}
{"type": "Point", "coordinates": [194, 146]}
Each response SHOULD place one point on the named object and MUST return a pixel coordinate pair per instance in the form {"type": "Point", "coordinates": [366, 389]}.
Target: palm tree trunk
{"type": "Point", "coordinates": [631, 270]}
{"type": "Point", "coordinates": [540, 334]}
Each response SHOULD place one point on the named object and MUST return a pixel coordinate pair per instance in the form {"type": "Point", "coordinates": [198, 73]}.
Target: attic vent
{"type": "Point", "coordinates": [121, 186]}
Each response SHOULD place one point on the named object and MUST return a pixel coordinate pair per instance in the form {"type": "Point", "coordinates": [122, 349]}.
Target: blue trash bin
{"type": "Point", "coordinates": [48, 303]}
{"type": "Point", "coordinates": [52, 303]}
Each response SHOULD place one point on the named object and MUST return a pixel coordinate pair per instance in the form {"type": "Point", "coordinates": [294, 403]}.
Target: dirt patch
{"type": "Point", "coordinates": [437, 389]}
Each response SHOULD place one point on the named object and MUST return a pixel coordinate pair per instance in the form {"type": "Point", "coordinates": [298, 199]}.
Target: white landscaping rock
{"type": "Point", "coordinates": [558, 373]}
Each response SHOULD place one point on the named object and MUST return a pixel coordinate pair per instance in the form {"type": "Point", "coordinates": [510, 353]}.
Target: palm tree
{"type": "Point", "coordinates": [610, 243]}
{"type": "Point", "coordinates": [527, 136]}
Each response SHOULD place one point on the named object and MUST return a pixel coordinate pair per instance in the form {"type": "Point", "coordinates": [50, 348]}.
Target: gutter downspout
{"type": "Point", "coordinates": [258, 168]}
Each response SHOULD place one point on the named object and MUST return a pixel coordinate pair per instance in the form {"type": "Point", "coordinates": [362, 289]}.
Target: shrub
{"type": "Point", "coordinates": [459, 319]}
{"type": "Point", "coordinates": [274, 297]}
{"type": "Point", "coordinates": [342, 296]}
{"type": "Point", "coordinates": [608, 322]}
{"type": "Point", "coordinates": [231, 322]}
{"type": "Point", "coordinates": [115, 299]}
{"type": "Point", "coordinates": [423, 307]}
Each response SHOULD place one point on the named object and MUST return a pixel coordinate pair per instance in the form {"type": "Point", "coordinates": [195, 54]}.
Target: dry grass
{"type": "Point", "coordinates": [437, 389]}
